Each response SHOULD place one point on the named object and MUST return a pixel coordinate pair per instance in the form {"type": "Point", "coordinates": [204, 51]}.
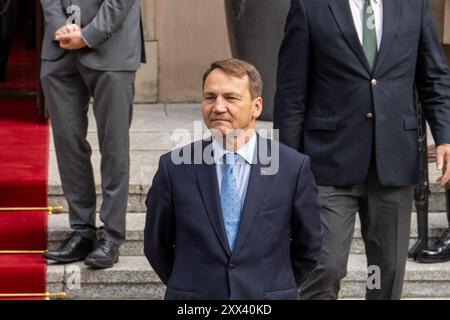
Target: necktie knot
{"type": "Point", "coordinates": [230, 158]}
{"type": "Point", "coordinates": [368, 10]}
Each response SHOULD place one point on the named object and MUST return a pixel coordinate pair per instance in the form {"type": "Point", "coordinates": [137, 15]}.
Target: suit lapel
{"type": "Point", "coordinates": [391, 10]}
{"type": "Point", "coordinates": [207, 182]}
{"type": "Point", "coordinates": [343, 16]}
{"type": "Point", "coordinates": [256, 188]}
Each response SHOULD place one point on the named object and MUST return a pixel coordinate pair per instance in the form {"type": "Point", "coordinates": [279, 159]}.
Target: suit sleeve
{"type": "Point", "coordinates": [54, 15]}
{"type": "Point", "coordinates": [292, 77]}
{"type": "Point", "coordinates": [159, 235]}
{"type": "Point", "coordinates": [109, 18]}
{"type": "Point", "coordinates": [433, 79]}
{"type": "Point", "coordinates": [307, 231]}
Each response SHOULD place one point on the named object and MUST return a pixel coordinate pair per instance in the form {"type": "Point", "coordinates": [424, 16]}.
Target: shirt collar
{"type": "Point", "coordinates": [245, 152]}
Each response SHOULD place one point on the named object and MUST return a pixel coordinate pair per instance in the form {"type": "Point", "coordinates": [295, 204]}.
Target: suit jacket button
{"type": "Point", "coordinates": [231, 267]}
{"type": "Point", "coordinates": [369, 115]}
{"type": "Point", "coordinates": [374, 82]}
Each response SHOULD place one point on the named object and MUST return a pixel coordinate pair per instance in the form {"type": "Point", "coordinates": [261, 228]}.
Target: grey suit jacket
{"type": "Point", "coordinates": [111, 28]}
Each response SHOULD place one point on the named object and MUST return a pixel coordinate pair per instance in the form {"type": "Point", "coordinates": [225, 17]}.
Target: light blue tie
{"type": "Point", "coordinates": [230, 201]}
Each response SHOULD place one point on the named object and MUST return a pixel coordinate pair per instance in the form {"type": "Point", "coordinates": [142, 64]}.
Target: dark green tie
{"type": "Point", "coordinates": [369, 34]}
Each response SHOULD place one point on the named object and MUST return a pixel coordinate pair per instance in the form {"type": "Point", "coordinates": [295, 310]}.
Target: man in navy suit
{"type": "Point", "coordinates": [347, 74]}
{"type": "Point", "coordinates": [232, 227]}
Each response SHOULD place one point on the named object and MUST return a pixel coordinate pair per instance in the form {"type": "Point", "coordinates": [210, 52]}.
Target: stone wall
{"type": "Point", "coordinates": [182, 38]}
{"type": "Point", "coordinates": [441, 13]}
{"type": "Point", "coordinates": [147, 76]}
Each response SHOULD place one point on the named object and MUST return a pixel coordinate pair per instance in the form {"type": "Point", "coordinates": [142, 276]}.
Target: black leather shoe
{"type": "Point", "coordinates": [76, 248]}
{"type": "Point", "coordinates": [439, 251]}
{"type": "Point", "coordinates": [104, 255]}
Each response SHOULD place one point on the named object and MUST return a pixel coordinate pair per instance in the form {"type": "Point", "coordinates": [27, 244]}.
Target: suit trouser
{"type": "Point", "coordinates": [68, 87]}
{"type": "Point", "coordinates": [385, 215]}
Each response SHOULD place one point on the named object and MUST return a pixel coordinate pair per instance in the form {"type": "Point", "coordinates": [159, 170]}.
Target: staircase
{"type": "Point", "coordinates": [133, 278]}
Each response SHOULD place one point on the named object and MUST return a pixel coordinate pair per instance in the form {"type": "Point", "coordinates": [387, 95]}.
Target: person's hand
{"type": "Point", "coordinates": [443, 162]}
{"type": "Point", "coordinates": [70, 38]}
{"type": "Point", "coordinates": [66, 29]}
{"type": "Point", "coordinates": [71, 41]}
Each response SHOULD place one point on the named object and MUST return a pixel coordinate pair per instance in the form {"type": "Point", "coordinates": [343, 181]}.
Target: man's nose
{"type": "Point", "coordinates": [220, 105]}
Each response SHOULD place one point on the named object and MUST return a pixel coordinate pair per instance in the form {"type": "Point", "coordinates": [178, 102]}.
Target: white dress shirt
{"type": "Point", "coordinates": [357, 8]}
{"type": "Point", "coordinates": [242, 167]}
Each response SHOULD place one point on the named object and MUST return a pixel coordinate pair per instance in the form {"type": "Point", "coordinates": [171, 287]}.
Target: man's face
{"type": "Point", "coordinates": [227, 103]}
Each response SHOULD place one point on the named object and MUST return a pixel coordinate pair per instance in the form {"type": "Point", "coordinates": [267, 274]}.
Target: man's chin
{"type": "Point", "coordinates": [221, 130]}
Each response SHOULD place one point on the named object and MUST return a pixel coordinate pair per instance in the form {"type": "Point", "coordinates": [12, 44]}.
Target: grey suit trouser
{"type": "Point", "coordinates": [68, 87]}
{"type": "Point", "coordinates": [385, 214]}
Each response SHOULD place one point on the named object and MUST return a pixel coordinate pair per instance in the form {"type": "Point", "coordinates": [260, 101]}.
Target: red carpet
{"type": "Point", "coordinates": [22, 274]}
{"type": "Point", "coordinates": [25, 230]}
{"type": "Point", "coordinates": [23, 177]}
{"type": "Point", "coordinates": [21, 71]}
{"type": "Point", "coordinates": [24, 145]}
{"type": "Point", "coordinates": [23, 183]}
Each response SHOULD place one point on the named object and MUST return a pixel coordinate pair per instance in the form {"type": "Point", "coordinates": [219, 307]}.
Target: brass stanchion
{"type": "Point", "coordinates": [50, 210]}
{"type": "Point", "coordinates": [46, 295]}
{"type": "Point", "coordinates": [22, 251]}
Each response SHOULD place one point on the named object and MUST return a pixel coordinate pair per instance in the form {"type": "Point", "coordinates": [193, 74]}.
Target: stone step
{"type": "Point", "coordinates": [142, 176]}
{"type": "Point", "coordinates": [133, 278]}
{"type": "Point", "coordinates": [142, 169]}
{"type": "Point", "coordinates": [138, 192]}
{"type": "Point", "coordinates": [130, 278]}
{"type": "Point", "coordinates": [422, 281]}
{"type": "Point", "coordinates": [59, 230]}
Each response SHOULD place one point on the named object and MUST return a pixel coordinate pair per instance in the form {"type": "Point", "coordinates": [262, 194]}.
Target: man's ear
{"type": "Point", "coordinates": [257, 107]}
